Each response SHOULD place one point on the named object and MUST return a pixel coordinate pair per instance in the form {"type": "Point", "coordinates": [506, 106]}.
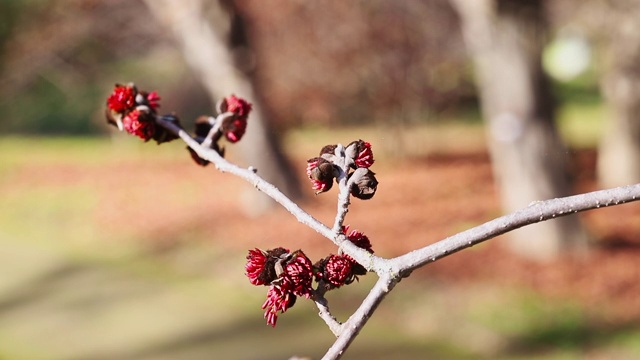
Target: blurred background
{"type": "Point", "coordinates": [115, 249]}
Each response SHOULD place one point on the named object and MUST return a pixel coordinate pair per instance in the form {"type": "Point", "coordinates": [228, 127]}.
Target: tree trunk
{"type": "Point", "coordinates": [505, 39]}
{"type": "Point", "coordinates": [208, 51]}
{"type": "Point", "coordinates": [619, 152]}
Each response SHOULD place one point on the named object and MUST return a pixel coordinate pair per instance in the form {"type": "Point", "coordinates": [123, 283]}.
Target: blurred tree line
{"type": "Point", "coordinates": [390, 63]}
{"type": "Point", "coordinates": [312, 62]}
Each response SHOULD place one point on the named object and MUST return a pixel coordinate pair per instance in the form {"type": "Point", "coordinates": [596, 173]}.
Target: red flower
{"type": "Point", "coordinates": [264, 267]}
{"type": "Point", "coordinates": [365, 155]}
{"type": "Point", "coordinates": [362, 241]}
{"type": "Point", "coordinates": [321, 174]}
{"type": "Point", "coordinates": [235, 126]}
{"type": "Point", "coordinates": [289, 274]}
{"type": "Point", "coordinates": [153, 100]}
{"type": "Point", "coordinates": [335, 271]}
{"type": "Point", "coordinates": [358, 239]}
{"type": "Point", "coordinates": [238, 106]}
{"type": "Point", "coordinates": [298, 274]}
{"type": "Point", "coordinates": [278, 299]}
{"type": "Point", "coordinates": [139, 123]}
{"type": "Point", "coordinates": [257, 260]}
{"type": "Point", "coordinates": [361, 153]}
{"type": "Point", "coordinates": [122, 98]}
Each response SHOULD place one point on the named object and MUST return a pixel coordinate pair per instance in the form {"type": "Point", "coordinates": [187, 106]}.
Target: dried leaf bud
{"type": "Point", "coordinates": [162, 135]}
{"type": "Point", "coordinates": [363, 183]}
{"type": "Point", "coordinates": [114, 118]}
{"type": "Point", "coordinates": [202, 127]}
{"type": "Point", "coordinates": [328, 149]}
{"type": "Point", "coordinates": [321, 173]}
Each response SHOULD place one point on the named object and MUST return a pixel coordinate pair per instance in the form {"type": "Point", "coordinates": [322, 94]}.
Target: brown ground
{"type": "Point", "coordinates": [418, 202]}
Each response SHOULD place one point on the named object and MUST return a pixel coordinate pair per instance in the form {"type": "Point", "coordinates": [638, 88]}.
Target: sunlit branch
{"type": "Point", "coordinates": [537, 211]}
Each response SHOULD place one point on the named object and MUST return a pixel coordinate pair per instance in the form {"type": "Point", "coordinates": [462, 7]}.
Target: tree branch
{"type": "Point", "coordinates": [537, 211]}
{"type": "Point", "coordinates": [250, 176]}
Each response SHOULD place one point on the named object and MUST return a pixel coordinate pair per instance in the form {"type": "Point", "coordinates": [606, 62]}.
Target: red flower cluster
{"type": "Point", "coordinates": [334, 271]}
{"type": "Point", "coordinates": [290, 274]}
{"type": "Point", "coordinates": [134, 112]}
{"type": "Point", "coordinates": [235, 126]}
{"type": "Point", "coordinates": [322, 170]}
{"type": "Point", "coordinates": [139, 123]}
{"type": "Point", "coordinates": [122, 99]}
{"type": "Point", "coordinates": [338, 270]}
{"type": "Point", "coordinates": [230, 123]}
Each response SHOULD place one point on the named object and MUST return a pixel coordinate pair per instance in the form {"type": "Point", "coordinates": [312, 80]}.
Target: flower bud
{"type": "Point", "coordinates": [362, 241]}
{"type": "Point", "coordinates": [334, 271]}
{"type": "Point", "coordinates": [298, 272]}
{"type": "Point", "coordinates": [328, 149]}
{"type": "Point", "coordinates": [122, 98]}
{"type": "Point", "coordinates": [321, 173]}
{"type": "Point", "coordinates": [361, 153]}
{"type": "Point", "coordinates": [139, 123]}
{"type": "Point", "coordinates": [202, 128]}
{"type": "Point", "coordinates": [363, 183]}
{"type": "Point", "coordinates": [235, 126]}
{"type": "Point", "coordinates": [150, 99]}
{"type": "Point", "coordinates": [261, 265]}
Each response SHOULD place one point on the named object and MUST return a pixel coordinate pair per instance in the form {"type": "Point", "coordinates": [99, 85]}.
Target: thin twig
{"type": "Point", "coordinates": [351, 328]}
{"type": "Point", "coordinates": [343, 203]}
{"type": "Point", "coordinates": [216, 124]}
{"type": "Point", "coordinates": [250, 176]}
{"type": "Point", "coordinates": [325, 314]}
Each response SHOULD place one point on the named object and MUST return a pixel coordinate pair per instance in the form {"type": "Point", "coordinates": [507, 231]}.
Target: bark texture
{"type": "Point", "coordinates": [213, 45]}
{"type": "Point", "coordinates": [619, 152]}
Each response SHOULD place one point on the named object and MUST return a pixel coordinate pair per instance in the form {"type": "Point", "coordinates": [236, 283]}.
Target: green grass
{"type": "Point", "coordinates": [582, 125]}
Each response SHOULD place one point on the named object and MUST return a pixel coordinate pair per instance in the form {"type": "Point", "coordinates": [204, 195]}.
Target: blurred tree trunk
{"type": "Point", "coordinates": [505, 39]}
{"type": "Point", "coordinates": [619, 152]}
{"type": "Point", "coordinates": [210, 38]}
